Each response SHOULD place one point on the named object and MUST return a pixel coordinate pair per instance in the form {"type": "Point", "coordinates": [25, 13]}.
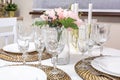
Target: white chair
{"type": "Point", "coordinates": [7, 23]}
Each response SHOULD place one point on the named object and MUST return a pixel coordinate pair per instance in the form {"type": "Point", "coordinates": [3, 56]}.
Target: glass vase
{"type": "Point", "coordinates": [74, 39]}
{"type": "Point", "coordinates": [64, 56]}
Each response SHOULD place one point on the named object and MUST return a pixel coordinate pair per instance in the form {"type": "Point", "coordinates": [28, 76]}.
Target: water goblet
{"type": "Point", "coordinates": [90, 32]}
{"type": "Point", "coordinates": [25, 35]}
{"type": "Point", "coordinates": [39, 43]}
{"type": "Point", "coordinates": [83, 44]}
{"type": "Point", "coordinates": [54, 46]}
{"type": "Point", "coordinates": [102, 32]}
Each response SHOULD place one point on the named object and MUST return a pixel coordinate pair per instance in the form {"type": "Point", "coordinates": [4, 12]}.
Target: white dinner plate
{"type": "Point", "coordinates": [22, 73]}
{"type": "Point", "coordinates": [13, 48]}
{"type": "Point", "coordinates": [107, 64]}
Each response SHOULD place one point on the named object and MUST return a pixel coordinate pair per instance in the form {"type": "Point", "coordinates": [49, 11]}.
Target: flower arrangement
{"type": "Point", "coordinates": [59, 17]}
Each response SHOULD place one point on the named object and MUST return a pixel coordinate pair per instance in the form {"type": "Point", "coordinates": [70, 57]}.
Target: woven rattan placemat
{"type": "Point", "coordinates": [90, 73]}
{"type": "Point", "coordinates": [14, 57]}
{"type": "Point", "coordinates": [47, 69]}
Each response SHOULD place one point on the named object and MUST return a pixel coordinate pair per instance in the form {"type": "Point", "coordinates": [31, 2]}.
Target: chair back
{"type": "Point", "coordinates": [8, 24]}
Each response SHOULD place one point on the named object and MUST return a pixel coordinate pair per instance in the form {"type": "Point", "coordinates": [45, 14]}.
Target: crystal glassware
{"type": "Point", "coordinates": [101, 35]}
{"type": "Point", "coordinates": [39, 43]}
{"type": "Point", "coordinates": [54, 46]}
{"type": "Point", "coordinates": [90, 32]}
{"type": "Point", "coordinates": [25, 35]}
{"type": "Point", "coordinates": [83, 44]}
{"type": "Point", "coordinates": [64, 56]}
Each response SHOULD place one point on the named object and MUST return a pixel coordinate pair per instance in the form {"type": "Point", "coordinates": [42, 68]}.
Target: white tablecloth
{"type": "Point", "coordinates": [75, 57]}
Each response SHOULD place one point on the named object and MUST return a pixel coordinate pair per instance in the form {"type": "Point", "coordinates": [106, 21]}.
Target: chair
{"type": "Point", "coordinates": [7, 23]}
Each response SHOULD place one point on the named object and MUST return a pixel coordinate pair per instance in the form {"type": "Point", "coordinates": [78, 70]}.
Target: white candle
{"type": "Point", "coordinates": [72, 7]}
{"type": "Point", "coordinates": [76, 8]}
{"type": "Point", "coordinates": [90, 13]}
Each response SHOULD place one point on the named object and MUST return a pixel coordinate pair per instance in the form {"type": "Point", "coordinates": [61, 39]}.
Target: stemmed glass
{"type": "Point", "coordinates": [39, 43]}
{"type": "Point", "coordinates": [25, 35]}
{"type": "Point", "coordinates": [102, 32]}
{"type": "Point", "coordinates": [90, 32]}
{"type": "Point", "coordinates": [83, 43]}
{"type": "Point", "coordinates": [54, 46]}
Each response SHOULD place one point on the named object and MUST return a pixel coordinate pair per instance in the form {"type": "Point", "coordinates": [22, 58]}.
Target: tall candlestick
{"type": "Point", "coordinates": [90, 13]}
{"type": "Point", "coordinates": [72, 7]}
{"type": "Point", "coordinates": [76, 6]}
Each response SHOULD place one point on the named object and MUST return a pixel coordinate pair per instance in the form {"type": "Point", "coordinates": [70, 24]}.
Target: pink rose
{"type": "Point", "coordinates": [65, 13]}
{"type": "Point", "coordinates": [59, 12]}
{"type": "Point", "coordinates": [72, 15]}
{"type": "Point", "coordinates": [78, 22]}
{"type": "Point", "coordinates": [51, 13]}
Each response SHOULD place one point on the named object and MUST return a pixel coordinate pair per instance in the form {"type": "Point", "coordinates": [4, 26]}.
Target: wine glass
{"type": "Point", "coordinates": [39, 43]}
{"type": "Point", "coordinates": [25, 35]}
{"type": "Point", "coordinates": [54, 46]}
{"type": "Point", "coordinates": [83, 44]}
{"type": "Point", "coordinates": [102, 32]}
{"type": "Point", "coordinates": [90, 32]}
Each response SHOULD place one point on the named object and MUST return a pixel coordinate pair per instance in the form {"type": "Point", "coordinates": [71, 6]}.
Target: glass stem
{"type": "Point", "coordinates": [82, 58]}
{"type": "Point", "coordinates": [24, 57]}
{"type": "Point", "coordinates": [83, 64]}
{"type": "Point", "coordinates": [54, 61]}
{"type": "Point", "coordinates": [40, 58]}
{"type": "Point", "coordinates": [101, 50]}
{"type": "Point", "coordinates": [90, 52]}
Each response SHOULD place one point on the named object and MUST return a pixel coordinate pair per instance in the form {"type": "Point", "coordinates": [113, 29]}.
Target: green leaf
{"type": "Point", "coordinates": [74, 26]}
{"type": "Point", "coordinates": [39, 23]}
{"type": "Point", "coordinates": [69, 23]}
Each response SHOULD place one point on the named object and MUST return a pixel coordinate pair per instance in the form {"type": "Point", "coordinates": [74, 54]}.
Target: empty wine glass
{"type": "Point", "coordinates": [39, 43]}
{"type": "Point", "coordinates": [83, 44]}
{"type": "Point", "coordinates": [90, 32]}
{"type": "Point", "coordinates": [54, 46]}
{"type": "Point", "coordinates": [102, 32]}
{"type": "Point", "coordinates": [25, 35]}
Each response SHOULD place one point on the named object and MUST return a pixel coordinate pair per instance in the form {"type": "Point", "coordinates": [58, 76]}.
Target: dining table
{"type": "Point", "coordinates": [75, 56]}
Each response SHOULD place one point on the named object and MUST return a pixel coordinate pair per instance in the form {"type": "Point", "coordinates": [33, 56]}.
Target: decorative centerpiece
{"type": "Point", "coordinates": [59, 17]}
{"type": "Point", "coordinates": [66, 21]}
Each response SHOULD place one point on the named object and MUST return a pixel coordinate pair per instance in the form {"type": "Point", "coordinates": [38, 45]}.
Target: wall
{"type": "Point", "coordinates": [25, 6]}
{"type": "Point", "coordinates": [83, 4]}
